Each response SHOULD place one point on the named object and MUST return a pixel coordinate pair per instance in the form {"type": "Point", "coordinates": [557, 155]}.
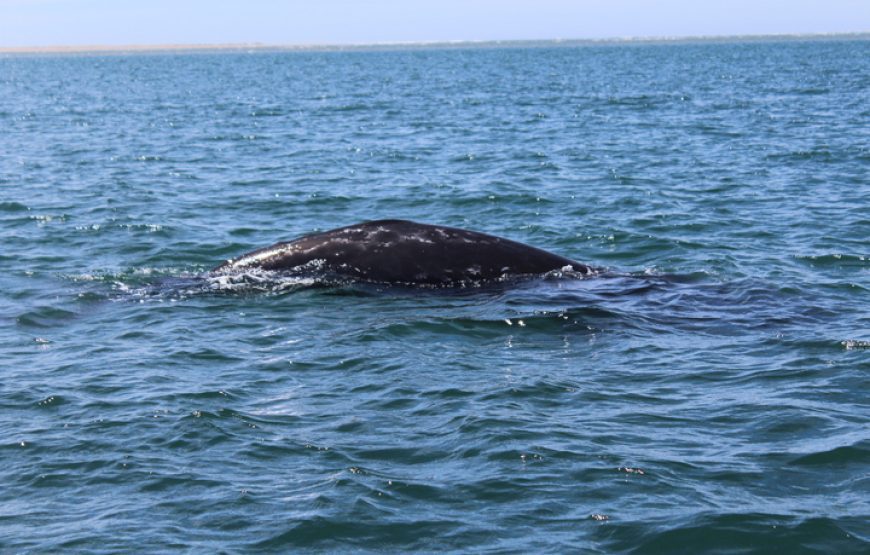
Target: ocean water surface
{"type": "Point", "coordinates": [708, 393]}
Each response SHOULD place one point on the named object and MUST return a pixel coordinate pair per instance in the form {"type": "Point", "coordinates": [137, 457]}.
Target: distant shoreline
{"type": "Point", "coordinates": [261, 47]}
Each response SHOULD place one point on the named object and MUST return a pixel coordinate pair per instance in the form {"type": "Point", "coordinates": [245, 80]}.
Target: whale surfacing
{"type": "Point", "coordinates": [405, 253]}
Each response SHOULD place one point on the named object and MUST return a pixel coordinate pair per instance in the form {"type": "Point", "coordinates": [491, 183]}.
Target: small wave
{"type": "Point", "coordinates": [266, 112]}
{"type": "Point", "coordinates": [175, 284]}
{"type": "Point", "coordinates": [835, 260]}
{"type": "Point", "coordinates": [847, 454]}
{"type": "Point", "coordinates": [739, 533]}
{"type": "Point", "coordinates": [45, 317]}
{"type": "Point", "coordinates": [637, 101]}
{"type": "Point", "coordinates": [336, 533]}
{"type": "Point", "coordinates": [820, 154]}
{"type": "Point", "coordinates": [44, 219]}
{"type": "Point", "coordinates": [12, 207]}
{"type": "Point", "coordinates": [544, 323]}
{"type": "Point", "coordinates": [180, 288]}
{"type": "Point", "coordinates": [852, 344]}
{"type": "Point", "coordinates": [134, 276]}
{"type": "Point", "coordinates": [812, 91]}
{"type": "Point", "coordinates": [354, 107]}
{"type": "Point", "coordinates": [52, 401]}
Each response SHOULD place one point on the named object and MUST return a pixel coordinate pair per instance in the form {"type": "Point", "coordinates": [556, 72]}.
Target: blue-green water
{"type": "Point", "coordinates": [709, 394]}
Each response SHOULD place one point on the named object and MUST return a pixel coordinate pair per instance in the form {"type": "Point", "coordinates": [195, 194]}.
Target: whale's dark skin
{"type": "Point", "coordinates": [406, 253]}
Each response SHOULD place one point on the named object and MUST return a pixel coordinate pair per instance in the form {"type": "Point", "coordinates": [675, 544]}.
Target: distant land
{"type": "Point", "coordinates": [253, 47]}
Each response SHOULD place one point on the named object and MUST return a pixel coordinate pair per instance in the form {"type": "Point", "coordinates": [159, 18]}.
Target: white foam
{"type": "Point", "coordinates": [257, 281]}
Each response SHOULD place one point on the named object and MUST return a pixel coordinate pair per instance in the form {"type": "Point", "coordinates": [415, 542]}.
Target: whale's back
{"type": "Point", "coordinates": [401, 251]}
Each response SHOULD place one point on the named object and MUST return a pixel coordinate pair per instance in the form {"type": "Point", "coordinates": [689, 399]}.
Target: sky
{"type": "Point", "coordinates": [306, 22]}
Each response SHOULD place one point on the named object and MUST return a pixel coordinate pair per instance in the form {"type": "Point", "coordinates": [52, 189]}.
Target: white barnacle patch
{"type": "Point", "coordinates": [258, 257]}
{"type": "Point", "coordinates": [313, 264]}
{"type": "Point", "coordinates": [420, 239]}
{"type": "Point", "coordinates": [310, 249]}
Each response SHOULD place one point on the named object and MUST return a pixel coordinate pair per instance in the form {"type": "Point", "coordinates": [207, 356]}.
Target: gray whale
{"type": "Point", "coordinates": [406, 253]}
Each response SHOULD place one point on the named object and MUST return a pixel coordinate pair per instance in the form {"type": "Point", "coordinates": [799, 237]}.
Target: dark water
{"type": "Point", "coordinates": [710, 394]}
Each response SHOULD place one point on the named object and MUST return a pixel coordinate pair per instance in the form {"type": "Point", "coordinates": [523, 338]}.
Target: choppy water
{"type": "Point", "coordinates": [710, 394]}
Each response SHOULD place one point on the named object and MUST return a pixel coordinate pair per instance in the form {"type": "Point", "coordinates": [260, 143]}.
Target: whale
{"type": "Point", "coordinates": [403, 252]}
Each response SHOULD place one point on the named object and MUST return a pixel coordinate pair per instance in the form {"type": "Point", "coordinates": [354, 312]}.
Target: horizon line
{"type": "Point", "coordinates": [259, 46]}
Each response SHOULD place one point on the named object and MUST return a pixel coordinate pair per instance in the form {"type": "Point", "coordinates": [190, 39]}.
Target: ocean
{"type": "Point", "coordinates": [707, 393]}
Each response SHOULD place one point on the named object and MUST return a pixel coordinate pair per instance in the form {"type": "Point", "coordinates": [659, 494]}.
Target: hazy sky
{"type": "Point", "coordinates": [116, 22]}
